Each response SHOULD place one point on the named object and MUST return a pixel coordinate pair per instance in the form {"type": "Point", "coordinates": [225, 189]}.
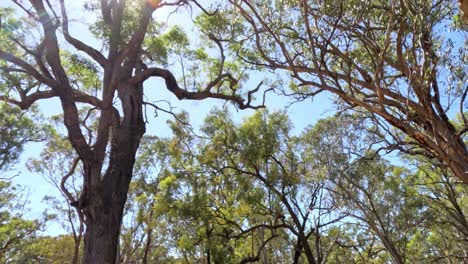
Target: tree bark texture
{"type": "Point", "coordinates": [104, 208]}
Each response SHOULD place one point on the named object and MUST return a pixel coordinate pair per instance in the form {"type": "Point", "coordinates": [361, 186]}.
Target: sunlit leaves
{"type": "Point", "coordinates": [16, 129]}
{"type": "Point", "coordinates": [14, 229]}
{"type": "Point", "coordinates": [83, 73]}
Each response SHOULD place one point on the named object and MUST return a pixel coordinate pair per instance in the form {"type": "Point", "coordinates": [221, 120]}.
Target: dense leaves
{"type": "Point", "coordinates": [239, 193]}
{"type": "Point", "coordinates": [16, 129]}
{"type": "Point", "coordinates": [15, 231]}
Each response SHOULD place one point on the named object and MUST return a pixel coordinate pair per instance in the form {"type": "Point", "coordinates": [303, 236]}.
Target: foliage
{"type": "Point", "coordinates": [239, 192]}
{"type": "Point", "coordinates": [16, 129]}
{"type": "Point", "coordinates": [391, 60]}
{"type": "Point", "coordinates": [15, 231]}
{"type": "Point", "coordinates": [46, 250]}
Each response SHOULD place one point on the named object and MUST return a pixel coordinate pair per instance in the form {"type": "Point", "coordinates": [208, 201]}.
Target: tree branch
{"type": "Point", "coordinates": [27, 101]}
{"type": "Point", "coordinates": [79, 45]}
{"type": "Point", "coordinates": [28, 68]}
{"type": "Point", "coordinates": [172, 86]}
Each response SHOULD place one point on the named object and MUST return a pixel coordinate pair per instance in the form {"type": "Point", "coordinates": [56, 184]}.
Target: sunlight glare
{"type": "Point", "coordinates": [153, 3]}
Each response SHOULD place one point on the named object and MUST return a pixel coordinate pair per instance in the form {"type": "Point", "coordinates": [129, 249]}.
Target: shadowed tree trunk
{"type": "Point", "coordinates": [104, 207]}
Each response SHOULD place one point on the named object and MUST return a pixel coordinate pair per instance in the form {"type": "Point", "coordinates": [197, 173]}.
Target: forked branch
{"type": "Point", "coordinates": [173, 87]}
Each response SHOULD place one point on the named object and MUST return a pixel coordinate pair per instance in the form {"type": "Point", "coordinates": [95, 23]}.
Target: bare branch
{"type": "Point", "coordinates": [28, 68]}
{"type": "Point", "coordinates": [27, 100]}
{"type": "Point", "coordinates": [172, 86]}
{"type": "Point", "coordinates": [93, 53]}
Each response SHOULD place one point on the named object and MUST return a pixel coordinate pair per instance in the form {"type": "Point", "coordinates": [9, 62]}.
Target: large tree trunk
{"type": "Point", "coordinates": [104, 216]}
{"type": "Point", "coordinates": [464, 9]}
{"type": "Point", "coordinates": [106, 196]}
{"type": "Point", "coordinates": [457, 159]}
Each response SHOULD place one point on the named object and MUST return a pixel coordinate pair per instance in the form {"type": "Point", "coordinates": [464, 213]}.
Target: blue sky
{"type": "Point", "coordinates": [302, 114]}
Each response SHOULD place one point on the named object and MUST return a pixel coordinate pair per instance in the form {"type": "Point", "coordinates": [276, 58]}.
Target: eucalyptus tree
{"type": "Point", "coordinates": [214, 207]}
{"type": "Point", "coordinates": [404, 210]}
{"type": "Point", "coordinates": [394, 59]}
{"type": "Point", "coordinates": [261, 184]}
{"type": "Point", "coordinates": [37, 43]}
{"type": "Point", "coordinates": [446, 200]}
{"type": "Point", "coordinates": [212, 216]}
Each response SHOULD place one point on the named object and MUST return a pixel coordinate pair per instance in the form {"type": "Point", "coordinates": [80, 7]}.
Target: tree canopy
{"type": "Point", "coordinates": [236, 191]}
{"type": "Point", "coordinates": [393, 60]}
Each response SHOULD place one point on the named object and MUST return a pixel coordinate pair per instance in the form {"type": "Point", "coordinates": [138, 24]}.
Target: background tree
{"type": "Point", "coordinates": [401, 207]}
{"type": "Point", "coordinates": [60, 166]}
{"type": "Point", "coordinates": [234, 192]}
{"type": "Point", "coordinates": [251, 184]}
{"type": "Point", "coordinates": [267, 152]}
{"type": "Point", "coordinates": [446, 201]}
{"type": "Point", "coordinates": [46, 249]}
{"type": "Point", "coordinates": [15, 231]}
{"type": "Point", "coordinates": [145, 230]}
{"type": "Point", "coordinates": [16, 129]}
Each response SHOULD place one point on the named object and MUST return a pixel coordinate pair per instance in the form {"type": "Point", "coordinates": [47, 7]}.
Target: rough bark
{"type": "Point", "coordinates": [464, 9]}
{"type": "Point", "coordinates": [104, 216]}
{"type": "Point", "coordinates": [104, 209]}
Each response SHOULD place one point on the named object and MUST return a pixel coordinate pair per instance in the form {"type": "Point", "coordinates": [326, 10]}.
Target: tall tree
{"type": "Point", "coordinates": [36, 67]}
{"type": "Point", "coordinates": [263, 193]}
{"type": "Point", "coordinates": [446, 199]}
{"type": "Point", "coordinates": [404, 210]}
{"type": "Point", "coordinates": [390, 58]}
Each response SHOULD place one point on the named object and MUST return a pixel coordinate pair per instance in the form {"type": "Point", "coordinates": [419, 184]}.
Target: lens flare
{"type": "Point", "coordinates": [153, 3]}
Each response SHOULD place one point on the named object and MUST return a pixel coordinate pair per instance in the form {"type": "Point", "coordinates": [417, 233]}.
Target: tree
{"type": "Point", "coordinates": [211, 216]}
{"type": "Point", "coordinates": [36, 65]}
{"type": "Point", "coordinates": [16, 130]}
{"type": "Point", "coordinates": [14, 229]}
{"type": "Point", "coordinates": [464, 8]}
{"type": "Point", "coordinates": [267, 152]}
{"type": "Point", "coordinates": [387, 58]}
{"type": "Point", "coordinates": [263, 195]}
{"type": "Point", "coordinates": [446, 199]}
{"type": "Point", "coordinates": [47, 249]}
{"type": "Point", "coordinates": [145, 237]}
{"type": "Point", "coordinates": [416, 214]}
{"type": "Point", "coordinates": [60, 166]}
